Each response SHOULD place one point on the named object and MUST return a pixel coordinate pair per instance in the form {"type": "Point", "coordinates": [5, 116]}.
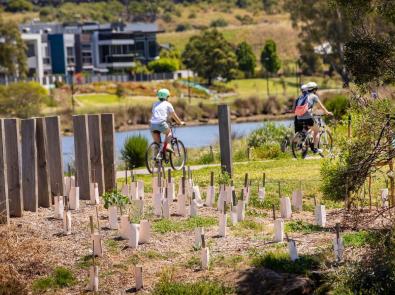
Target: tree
{"type": "Point", "coordinates": [311, 62]}
{"type": "Point", "coordinates": [210, 56]}
{"type": "Point", "coordinates": [19, 6]}
{"type": "Point", "coordinates": [269, 58]}
{"type": "Point", "coordinates": [13, 59]}
{"type": "Point", "coordinates": [22, 99]}
{"type": "Point", "coordinates": [164, 65]}
{"type": "Point", "coordinates": [246, 59]}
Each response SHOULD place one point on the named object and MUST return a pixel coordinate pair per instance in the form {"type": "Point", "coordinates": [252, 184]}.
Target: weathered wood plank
{"type": "Point", "coordinates": [82, 155]}
{"type": "Point", "coordinates": [55, 155]}
{"type": "Point", "coordinates": [96, 150]}
{"type": "Point", "coordinates": [225, 137]}
{"type": "Point", "coordinates": [12, 146]}
{"type": "Point", "coordinates": [29, 165]}
{"type": "Point", "coordinates": [4, 204]}
{"type": "Point", "coordinates": [107, 123]}
{"type": "Point", "coordinates": [43, 180]}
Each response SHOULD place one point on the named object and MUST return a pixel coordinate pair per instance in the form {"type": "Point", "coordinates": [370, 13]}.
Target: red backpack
{"type": "Point", "coordinates": [302, 105]}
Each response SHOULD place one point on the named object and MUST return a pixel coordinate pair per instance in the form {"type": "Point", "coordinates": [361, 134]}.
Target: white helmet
{"type": "Point", "coordinates": [311, 85]}
{"type": "Point", "coordinates": [303, 88]}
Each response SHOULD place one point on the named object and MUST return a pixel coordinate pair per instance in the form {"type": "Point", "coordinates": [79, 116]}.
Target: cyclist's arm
{"type": "Point", "coordinates": [321, 105]}
{"type": "Point", "coordinates": [176, 118]}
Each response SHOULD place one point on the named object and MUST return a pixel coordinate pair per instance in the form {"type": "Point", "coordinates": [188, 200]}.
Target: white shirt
{"type": "Point", "coordinates": [161, 111]}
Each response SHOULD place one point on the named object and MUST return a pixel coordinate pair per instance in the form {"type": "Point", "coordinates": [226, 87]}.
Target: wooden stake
{"type": "Point", "coordinates": [91, 224]}
{"type": "Point", "coordinates": [212, 178]}
{"type": "Point", "coordinates": [274, 212]}
{"type": "Point", "coordinates": [279, 189]}
{"type": "Point", "coordinates": [264, 179]}
{"type": "Point", "coordinates": [234, 198]}
{"type": "Point", "coordinates": [246, 180]}
{"type": "Point", "coordinates": [203, 241]}
{"type": "Point", "coordinates": [315, 200]}
{"type": "Point", "coordinates": [337, 228]}
{"type": "Point", "coordinates": [169, 175]}
{"type": "Point", "coordinates": [97, 217]}
{"type": "Point", "coordinates": [126, 175]}
{"type": "Point", "coordinates": [183, 185]}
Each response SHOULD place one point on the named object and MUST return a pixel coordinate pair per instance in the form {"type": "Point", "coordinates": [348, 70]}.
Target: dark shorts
{"type": "Point", "coordinates": [299, 124]}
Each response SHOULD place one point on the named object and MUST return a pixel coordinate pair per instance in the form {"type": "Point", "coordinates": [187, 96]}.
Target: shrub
{"type": "Point", "coordinates": [245, 19]}
{"type": "Point", "coordinates": [219, 22]}
{"type": "Point", "coordinates": [115, 198]}
{"type": "Point", "coordinates": [133, 152]}
{"type": "Point", "coordinates": [183, 27]}
{"type": "Point", "coordinates": [268, 151]}
{"type": "Point", "coordinates": [338, 105]}
{"type": "Point", "coordinates": [280, 261]}
{"type": "Point", "coordinates": [19, 5]}
{"type": "Point", "coordinates": [268, 134]}
{"type": "Point", "coordinates": [164, 65]}
{"type": "Point", "coordinates": [22, 99]}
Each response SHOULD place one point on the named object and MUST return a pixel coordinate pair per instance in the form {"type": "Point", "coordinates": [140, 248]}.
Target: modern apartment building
{"type": "Point", "coordinates": [90, 47]}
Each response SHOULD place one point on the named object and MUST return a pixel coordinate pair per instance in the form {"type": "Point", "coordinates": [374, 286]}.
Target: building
{"type": "Point", "coordinates": [57, 49]}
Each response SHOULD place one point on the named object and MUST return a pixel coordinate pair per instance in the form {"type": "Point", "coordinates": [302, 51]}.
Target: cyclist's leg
{"type": "Point", "coordinates": [168, 135]}
{"type": "Point", "coordinates": [156, 136]}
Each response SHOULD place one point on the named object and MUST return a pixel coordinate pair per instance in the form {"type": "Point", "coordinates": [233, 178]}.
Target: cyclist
{"type": "Point", "coordinates": [303, 109]}
{"type": "Point", "coordinates": [162, 111]}
{"type": "Point", "coordinates": [303, 89]}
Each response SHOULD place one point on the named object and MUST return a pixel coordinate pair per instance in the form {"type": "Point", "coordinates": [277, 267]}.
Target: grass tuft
{"type": "Point", "coordinates": [60, 278]}
{"type": "Point", "coordinates": [280, 261]}
{"type": "Point", "coordinates": [168, 225]}
{"type": "Point", "coordinates": [301, 226]}
{"type": "Point", "coordinates": [359, 238]}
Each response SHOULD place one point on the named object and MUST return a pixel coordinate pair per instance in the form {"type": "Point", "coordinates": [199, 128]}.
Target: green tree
{"type": "Point", "coordinates": [311, 62]}
{"type": "Point", "coordinates": [210, 56]}
{"type": "Point", "coordinates": [164, 65]}
{"type": "Point", "coordinates": [13, 59]}
{"type": "Point", "coordinates": [19, 6]}
{"type": "Point", "coordinates": [269, 58]}
{"type": "Point", "coordinates": [246, 59]}
{"type": "Point", "coordinates": [22, 99]}
{"type": "Point", "coordinates": [120, 91]}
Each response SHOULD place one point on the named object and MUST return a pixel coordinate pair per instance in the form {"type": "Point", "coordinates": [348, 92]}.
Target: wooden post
{"type": "Point", "coordinates": [274, 212]}
{"type": "Point", "coordinates": [82, 155]}
{"type": "Point", "coordinates": [107, 123]}
{"type": "Point", "coordinates": [349, 126]}
{"type": "Point", "coordinates": [225, 138]}
{"type": "Point", "coordinates": [12, 147]}
{"type": "Point", "coordinates": [4, 203]}
{"type": "Point", "coordinates": [29, 165]}
{"type": "Point", "coordinates": [43, 182]}
{"type": "Point", "coordinates": [211, 178]}
{"type": "Point", "coordinates": [96, 150]}
{"type": "Point", "coordinates": [55, 155]}
{"type": "Point", "coordinates": [246, 180]}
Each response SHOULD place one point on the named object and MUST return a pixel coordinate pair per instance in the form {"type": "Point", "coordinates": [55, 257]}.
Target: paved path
{"type": "Point", "coordinates": [144, 171]}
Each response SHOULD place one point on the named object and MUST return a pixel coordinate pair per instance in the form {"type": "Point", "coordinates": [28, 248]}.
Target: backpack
{"type": "Point", "coordinates": [302, 105]}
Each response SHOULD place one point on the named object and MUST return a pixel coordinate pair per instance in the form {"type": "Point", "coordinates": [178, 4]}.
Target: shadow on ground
{"type": "Point", "coordinates": [265, 281]}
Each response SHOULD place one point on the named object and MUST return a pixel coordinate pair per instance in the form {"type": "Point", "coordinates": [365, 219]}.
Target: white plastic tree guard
{"type": "Point", "coordinates": [320, 215]}
{"type": "Point", "coordinates": [233, 216]}
{"type": "Point", "coordinates": [140, 189]}
{"type": "Point", "coordinates": [199, 231]}
{"type": "Point", "coordinates": [181, 207]}
{"type": "Point", "coordinates": [94, 193]}
{"type": "Point", "coordinates": [210, 196]}
{"type": "Point", "coordinates": [205, 257]}
{"type": "Point", "coordinates": [113, 217]}
{"type": "Point", "coordinates": [222, 225]}
{"type": "Point", "coordinates": [297, 200]}
{"type": "Point", "coordinates": [93, 278]}
{"type": "Point", "coordinates": [384, 197]}
{"type": "Point", "coordinates": [292, 250]}
{"type": "Point", "coordinates": [338, 248]}
{"type": "Point", "coordinates": [193, 208]}
{"type": "Point", "coordinates": [285, 207]}
{"type": "Point", "coordinates": [67, 222]}
{"type": "Point", "coordinates": [59, 207]}
{"type": "Point", "coordinates": [171, 191]}
{"type": "Point", "coordinates": [74, 198]}
{"type": "Point", "coordinates": [125, 190]}
{"type": "Point", "coordinates": [145, 232]}
{"type": "Point", "coordinates": [166, 208]}
{"type": "Point", "coordinates": [138, 273]}
{"type": "Point", "coordinates": [133, 241]}
{"type": "Point", "coordinates": [124, 227]}
{"type": "Point", "coordinates": [279, 230]}
{"type": "Point", "coordinates": [240, 210]}
{"type": "Point", "coordinates": [261, 193]}
{"type": "Point", "coordinates": [97, 244]}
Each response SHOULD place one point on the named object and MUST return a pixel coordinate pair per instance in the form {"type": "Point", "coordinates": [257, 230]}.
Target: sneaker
{"type": "Point", "coordinates": [317, 151]}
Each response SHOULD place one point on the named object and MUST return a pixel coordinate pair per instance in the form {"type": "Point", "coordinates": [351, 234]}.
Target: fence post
{"type": "Point", "coordinates": [55, 155]}
{"type": "Point", "coordinates": [12, 147]}
{"type": "Point", "coordinates": [4, 203]}
{"type": "Point", "coordinates": [96, 152]}
{"type": "Point", "coordinates": [44, 195]}
{"type": "Point", "coordinates": [107, 123]}
{"type": "Point", "coordinates": [82, 157]}
{"type": "Point", "coordinates": [349, 126]}
{"type": "Point", "coordinates": [29, 165]}
{"type": "Point", "coordinates": [225, 140]}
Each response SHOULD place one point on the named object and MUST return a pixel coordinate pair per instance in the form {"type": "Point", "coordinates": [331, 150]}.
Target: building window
{"type": "Point", "coordinates": [152, 49]}
{"type": "Point", "coordinates": [104, 52]}
{"type": "Point", "coordinates": [86, 58]}
{"type": "Point", "coordinates": [46, 61]}
{"type": "Point", "coordinates": [140, 48]}
{"type": "Point", "coordinates": [70, 55]}
{"type": "Point", "coordinates": [31, 51]}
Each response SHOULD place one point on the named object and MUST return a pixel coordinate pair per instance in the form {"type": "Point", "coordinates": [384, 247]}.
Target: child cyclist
{"type": "Point", "coordinates": [162, 112]}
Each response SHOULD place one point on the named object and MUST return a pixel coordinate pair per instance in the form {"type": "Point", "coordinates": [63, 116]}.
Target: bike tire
{"type": "Point", "coordinates": [326, 144]}
{"type": "Point", "coordinates": [178, 158]}
{"type": "Point", "coordinates": [151, 163]}
{"type": "Point", "coordinates": [298, 146]}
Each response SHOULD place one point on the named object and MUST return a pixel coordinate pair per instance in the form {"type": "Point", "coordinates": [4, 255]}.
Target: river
{"type": "Point", "coordinates": [192, 136]}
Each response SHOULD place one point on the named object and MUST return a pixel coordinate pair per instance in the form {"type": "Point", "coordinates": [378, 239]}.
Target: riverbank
{"type": "Point", "coordinates": [124, 126]}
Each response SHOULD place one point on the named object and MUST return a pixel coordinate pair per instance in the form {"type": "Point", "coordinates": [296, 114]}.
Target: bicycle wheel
{"type": "Point", "coordinates": [179, 157]}
{"type": "Point", "coordinates": [285, 144]}
{"type": "Point", "coordinates": [151, 161]}
{"type": "Point", "coordinates": [299, 146]}
{"type": "Point", "coordinates": [326, 144]}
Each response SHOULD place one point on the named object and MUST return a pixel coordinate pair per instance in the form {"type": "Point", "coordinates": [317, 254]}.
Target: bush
{"type": "Point", "coordinates": [22, 99]}
{"type": "Point", "coordinates": [219, 22]}
{"type": "Point", "coordinates": [164, 65]}
{"type": "Point", "coordinates": [268, 151]}
{"type": "Point", "coordinates": [268, 134]}
{"type": "Point", "coordinates": [245, 19]}
{"type": "Point", "coordinates": [280, 261]}
{"type": "Point", "coordinates": [61, 278]}
{"type": "Point", "coordinates": [19, 6]}
{"type": "Point", "coordinates": [338, 105]}
{"type": "Point", "coordinates": [133, 152]}
{"type": "Point", "coordinates": [183, 27]}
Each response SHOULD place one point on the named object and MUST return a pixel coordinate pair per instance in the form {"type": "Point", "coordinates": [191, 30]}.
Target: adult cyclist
{"type": "Point", "coordinates": [162, 111]}
{"type": "Point", "coordinates": [303, 109]}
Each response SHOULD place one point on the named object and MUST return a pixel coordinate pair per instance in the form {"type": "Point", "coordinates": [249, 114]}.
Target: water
{"type": "Point", "coordinates": [192, 136]}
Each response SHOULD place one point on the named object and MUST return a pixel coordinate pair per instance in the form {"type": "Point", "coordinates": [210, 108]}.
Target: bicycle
{"type": "Point", "coordinates": [155, 157]}
{"type": "Point", "coordinates": [303, 140]}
